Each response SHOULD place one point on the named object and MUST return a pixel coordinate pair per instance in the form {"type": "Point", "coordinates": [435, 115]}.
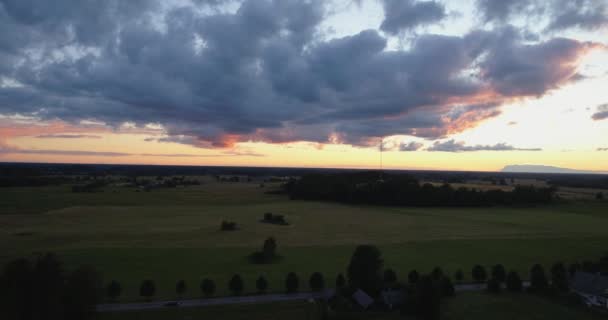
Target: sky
{"type": "Point", "coordinates": [398, 84]}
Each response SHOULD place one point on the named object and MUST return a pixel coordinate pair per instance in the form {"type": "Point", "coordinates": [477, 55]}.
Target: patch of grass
{"type": "Point", "coordinates": [473, 306]}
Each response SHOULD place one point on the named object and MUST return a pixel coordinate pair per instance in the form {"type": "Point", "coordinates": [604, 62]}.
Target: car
{"type": "Point", "coordinates": [172, 304]}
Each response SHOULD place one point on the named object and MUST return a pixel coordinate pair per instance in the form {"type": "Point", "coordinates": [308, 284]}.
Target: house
{"type": "Point", "coordinates": [593, 288]}
{"type": "Point", "coordinates": [363, 299]}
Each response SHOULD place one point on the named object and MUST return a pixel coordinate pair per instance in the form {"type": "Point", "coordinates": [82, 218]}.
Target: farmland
{"type": "Point", "coordinates": [172, 234]}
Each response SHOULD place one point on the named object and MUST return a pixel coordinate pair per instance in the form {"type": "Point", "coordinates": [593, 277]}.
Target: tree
{"type": "Point", "coordinates": [269, 249]}
{"type": "Point", "coordinates": [147, 289]}
{"type": "Point", "coordinates": [437, 274]}
{"type": "Point", "coordinates": [48, 287]}
{"type": "Point", "coordinates": [82, 293]}
{"type": "Point", "coordinates": [236, 285]}
{"type": "Point", "coordinates": [514, 283]}
{"type": "Point", "coordinates": [573, 268]}
{"type": "Point", "coordinates": [317, 282]}
{"type": "Point", "coordinates": [559, 277]}
{"type": "Point", "coordinates": [340, 281]}
{"type": "Point", "coordinates": [493, 285]}
{"type": "Point", "coordinates": [113, 290]}
{"type": "Point", "coordinates": [538, 279]}
{"type": "Point", "coordinates": [447, 287]}
{"type": "Point", "coordinates": [292, 283]}
{"type": "Point", "coordinates": [261, 284]}
{"type": "Point", "coordinates": [364, 269]}
{"type": "Point", "coordinates": [16, 284]}
{"type": "Point", "coordinates": [390, 277]}
{"type": "Point", "coordinates": [207, 287]}
{"type": "Point", "coordinates": [180, 288]}
{"type": "Point", "coordinates": [427, 299]}
{"type": "Point", "coordinates": [459, 275]}
{"type": "Point", "coordinates": [599, 196]}
{"type": "Point", "coordinates": [413, 277]}
{"type": "Point", "coordinates": [499, 273]}
{"type": "Point", "coordinates": [479, 274]}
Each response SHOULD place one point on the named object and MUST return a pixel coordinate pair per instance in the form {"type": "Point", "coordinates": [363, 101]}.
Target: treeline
{"type": "Point", "coordinates": [396, 190]}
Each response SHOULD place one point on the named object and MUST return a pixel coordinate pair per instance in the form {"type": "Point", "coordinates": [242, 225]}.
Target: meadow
{"type": "Point", "coordinates": [172, 234]}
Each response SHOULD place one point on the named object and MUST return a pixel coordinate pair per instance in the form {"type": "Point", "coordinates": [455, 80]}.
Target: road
{"type": "Point", "coordinates": [267, 298]}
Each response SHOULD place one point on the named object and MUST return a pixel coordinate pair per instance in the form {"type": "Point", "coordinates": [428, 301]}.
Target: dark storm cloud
{"type": "Point", "coordinates": [601, 112]}
{"type": "Point", "coordinates": [400, 15]}
{"type": "Point", "coordinates": [263, 73]}
{"type": "Point", "coordinates": [455, 146]}
{"type": "Point", "coordinates": [560, 14]}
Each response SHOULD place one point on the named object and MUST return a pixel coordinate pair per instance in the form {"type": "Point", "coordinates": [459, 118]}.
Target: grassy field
{"type": "Point", "coordinates": [469, 306]}
{"type": "Point", "coordinates": [172, 234]}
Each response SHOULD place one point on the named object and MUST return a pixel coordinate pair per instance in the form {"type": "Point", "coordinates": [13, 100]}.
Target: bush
{"type": "Point", "coordinates": [261, 284]}
{"type": "Point", "coordinates": [228, 226]}
{"type": "Point", "coordinates": [113, 290]}
{"type": "Point", "coordinates": [268, 253]}
{"type": "Point", "coordinates": [147, 289]}
{"type": "Point", "coordinates": [427, 299]}
{"type": "Point", "coordinates": [437, 274]}
{"type": "Point", "coordinates": [340, 281]}
{"type": "Point", "coordinates": [207, 287]}
{"type": "Point", "coordinates": [317, 282]}
{"type": "Point", "coordinates": [413, 277]}
{"type": "Point", "coordinates": [499, 273]}
{"type": "Point", "coordinates": [236, 285]}
{"type": "Point", "coordinates": [82, 292]}
{"type": "Point", "coordinates": [513, 281]}
{"type": "Point", "coordinates": [493, 285]}
{"type": "Point", "coordinates": [559, 277]}
{"type": "Point", "coordinates": [459, 275]}
{"type": "Point", "coordinates": [390, 277]}
{"type": "Point", "coordinates": [599, 196]}
{"type": "Point", "coordinates": [180, 288]}
{"type": "Point", "coordinates": [538, 279]}
{"type": "Point", "coordinates": [292, 283]}
{"type": "Point", "coordinates": [479, 274]}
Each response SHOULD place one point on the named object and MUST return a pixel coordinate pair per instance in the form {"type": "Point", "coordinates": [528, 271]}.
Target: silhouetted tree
{"type": "Point", "coordinates": [493, 285]}
{"type": "Point", "coordinates": [147, 289]}
{"type": "Point", "coordinates": [48, 287]}
{"type": "Point", "coordinates": [16, 285]}
{"type": "Point", "coordinates": [317, 282]}
{"type": "Point", "coordinates": [573, 268]}
{"type": "Point", "coordinates": [180, 288]}
{"type": "Point", "coordinates": [437, 274]}
{"type": "Point", "coordinates": [269, 249]}
{"type": "Point", "coordinates": [340, 281]}
{"type": "Point", "coordinates": [207, 287]}
{"type": "Point", "coordinates": [82, 293]}
{"type": "Point", "coordinates": [261, 284]}
{"type": "Point", "coordinates": [446, 286]}
{"type": "Point", "coordinates": [599, 196]}
{"type": "Point", "coordinates": [113, 290]}
{"type": "Point", "coordinates": [427, 299]}
{"type": "Point", "coordinates": [499, 273]}
{"type": "Point", "coordinates": [479, 274]}
{"type": "Point", "coordinates": [364, 269]}
{"type": "Point", "coordinates": [292, 283]}
{"type": "Point", "coordinates": [236, 285]}
{"type": "Point", "coordinates": [513, 282]}
{"type": "Point", "coordinates": [538, 279]}
{"type": "Point", "coordinates": [559, 277]}
{"type": "Point", "coordinates": [459, 275]}
{"type": "Point", "coordinates": [390, 277]}
{"type": "Point", "coordinates": [413, 277]}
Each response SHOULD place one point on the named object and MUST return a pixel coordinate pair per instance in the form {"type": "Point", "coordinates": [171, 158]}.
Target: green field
{"type": "Point", "coordinates": [469, 306]}
{"type": "Point", "coordinates": [172, 234]}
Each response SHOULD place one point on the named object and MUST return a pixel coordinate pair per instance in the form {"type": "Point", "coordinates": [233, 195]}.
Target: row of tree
{"type": "Point", "coordinates": [370, 188]}
{"type": "Point", "coordinates": [236, 285]}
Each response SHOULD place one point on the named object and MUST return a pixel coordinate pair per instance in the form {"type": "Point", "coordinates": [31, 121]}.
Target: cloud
{"type": "Point", "coordinates": [454, 146]}
{"type": "Point", "coordinates": [601, 112]}
{"type": "Point", "coordinates": [558, 14]}
{"type": "Point", "coordinates": [411, 146]}
{"type": "Point", "coordinates": [68, 136]}
{"type": "Point", "coordinates": [602, 149]}
{"type": "Point", "coordinates": [403, 15]}
{"type": "Point", "coordinates": [265, 71]}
